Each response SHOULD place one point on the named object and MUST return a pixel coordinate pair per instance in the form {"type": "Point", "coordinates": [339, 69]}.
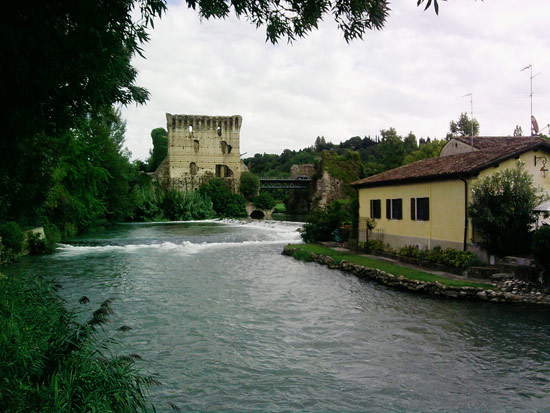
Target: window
{"type": "Point", "coordinates": [394, 208]}
{"type": "Point", "coordinates": [193, 168]}
{"type": "Point", "coordinates": [196, 145]}
{"type": "Point", "coordinates": [420, 209]}
{"type": "Point", "coordinates": [223, 145]}
{"type": "Point", "coordinates": [375, 208]}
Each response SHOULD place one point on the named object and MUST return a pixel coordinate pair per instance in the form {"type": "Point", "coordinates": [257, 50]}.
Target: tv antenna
{"type": "Point", "coordinates": [471, 96]}
{"type": "Point", "coordinates": [531, 77]}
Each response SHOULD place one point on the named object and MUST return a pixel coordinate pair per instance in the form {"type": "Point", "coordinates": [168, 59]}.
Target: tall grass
{"type": "Point", "coordinates": [50, 363]}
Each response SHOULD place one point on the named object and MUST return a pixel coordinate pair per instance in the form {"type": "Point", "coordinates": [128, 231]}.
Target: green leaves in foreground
{"type": "Point", "coordinates": [50, 363]}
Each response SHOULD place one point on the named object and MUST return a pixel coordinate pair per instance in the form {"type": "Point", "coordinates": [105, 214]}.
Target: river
{"type": "Point", "coordinates": [229, 324]}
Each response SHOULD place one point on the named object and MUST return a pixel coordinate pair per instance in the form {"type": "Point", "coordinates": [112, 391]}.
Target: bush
{"type": "Point", "coordinates": [50, 363]}
{"type": "Point", "coordinates": [541, 248]}
{"type": "Point", "coordinates": [224, 202]}
{"type": "Point", "coordinates": [12, 236]}
{"type": "Point", "coordinates": [448, 257]}
{"type": "Point", "coordinates": [372, 246]}
{"type": "Point", "coordinates": [264, 201]}
{"type": "Point", "coordinates": [322, 224]}
{"type": "Point", "coordinates": [177, 205]}
{"type": "Point", "coordinates": [147, 199]}
{"type": "Point", "coordinates": [249, 185]}
{"type": "Point", "coordinates": [502, 210]}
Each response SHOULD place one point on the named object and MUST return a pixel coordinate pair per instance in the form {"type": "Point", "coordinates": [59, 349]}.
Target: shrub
{"type": "Point", "coordinates": [264, 201]}
{"type": "Point", "coordinates": [372, 246]}
{"type": "Point", "coordinates": [177, 205]}
{"type": "Point", "coordinates": [224, 202]}
{"type": "Point", "coordinates": [147, 199]}
{"type": "Point", "coordinates": [502, 210]}
{"type": "Point", "coordinates": [249, 185]}
{"type": "Point", "coordinates": [541, 248]}
{"type": "Point", "coordinates": [12, 236]}
{"type": "Point", "coordinates": [322, 223]}
{"type": "Point", "coordinates": [448, 257]}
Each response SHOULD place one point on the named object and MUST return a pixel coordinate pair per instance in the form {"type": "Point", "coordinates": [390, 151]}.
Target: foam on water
{"type": "Point", "coordinates": [274, 232]}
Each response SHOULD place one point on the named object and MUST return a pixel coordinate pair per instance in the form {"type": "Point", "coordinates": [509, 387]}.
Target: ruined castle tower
{"type": "Point", "coordinates": [199, 148]}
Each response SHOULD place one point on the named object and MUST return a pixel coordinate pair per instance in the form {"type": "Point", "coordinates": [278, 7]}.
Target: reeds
{"type": "Point", "coordinates": [51, 363]}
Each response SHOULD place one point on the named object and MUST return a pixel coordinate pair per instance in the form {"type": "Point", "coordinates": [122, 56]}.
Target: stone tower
{"type": "Point", "coordinates": [200, 148]}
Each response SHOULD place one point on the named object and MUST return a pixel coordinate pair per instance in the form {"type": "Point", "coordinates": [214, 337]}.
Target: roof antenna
{"type": "Point", "coordinates": [471, 95]}
{"type": "Point", "coordinates": [531, 77]}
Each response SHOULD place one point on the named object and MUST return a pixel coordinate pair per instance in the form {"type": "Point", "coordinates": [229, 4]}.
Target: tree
{"type": "Point", "coordinates": [322, 222]}
{"type": "Point", "coordinates": [464, 127]}
{"type": "Point", "coordinates": [264, 201]}
{"type": "Point", "coordinates": [249, 185]}
{"type": "Point", "coordinates": [159, 137]}
{"type": "Point", "coordinates": [518, 131]}
{"type": "Point", "coordinates": [426, 150]}
{"type": "Point", "coordinates": [224, 202]}
{"type": "Point", "coordinates": [502, 210]}
{"type": "Point", "coordinates": [67, 59]}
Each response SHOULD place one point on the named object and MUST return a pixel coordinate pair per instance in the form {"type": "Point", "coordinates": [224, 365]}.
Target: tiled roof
{"type": "Point", "coordinates": [491, 150]}
{"type": "Point", "coordinates": [499, 142]}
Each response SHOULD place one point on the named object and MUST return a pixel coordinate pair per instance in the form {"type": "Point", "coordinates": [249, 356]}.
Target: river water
{"type": "Point", "coordinates": [229, 324]}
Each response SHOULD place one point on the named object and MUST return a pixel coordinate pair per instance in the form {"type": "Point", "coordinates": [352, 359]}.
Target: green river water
{"type": "Point", "coordinates": [229, 324]}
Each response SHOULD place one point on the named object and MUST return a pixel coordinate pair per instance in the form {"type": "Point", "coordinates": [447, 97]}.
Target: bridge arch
{"type": "Point", "coordinates": [257, 214]}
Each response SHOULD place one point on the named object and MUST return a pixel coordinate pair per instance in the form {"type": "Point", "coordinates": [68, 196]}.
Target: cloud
{"type": "Point", "coordinates": [410, 76]}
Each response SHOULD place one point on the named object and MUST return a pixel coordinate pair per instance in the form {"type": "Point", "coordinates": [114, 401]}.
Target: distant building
{"type": "Point", "coordinates": [425, 203]}
{"type": "Point", "coordinates": [200, 148]}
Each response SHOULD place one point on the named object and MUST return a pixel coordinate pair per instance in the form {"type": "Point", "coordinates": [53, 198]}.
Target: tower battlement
{"type": "Point", "coordinates": [204, 123]}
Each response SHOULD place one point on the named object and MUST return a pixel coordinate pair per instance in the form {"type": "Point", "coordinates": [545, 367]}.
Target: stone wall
{"type": "Point", "coordinates": [424, 287]}
{"type": "Point", "coordinates": [199, 148]}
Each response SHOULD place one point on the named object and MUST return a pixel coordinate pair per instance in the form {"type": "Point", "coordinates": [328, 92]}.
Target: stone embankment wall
{"type": "Point", "coordinates": [423, 287]}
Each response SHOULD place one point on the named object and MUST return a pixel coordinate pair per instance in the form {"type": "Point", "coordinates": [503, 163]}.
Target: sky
{"type": "Point", "coordinates": [412, 75]}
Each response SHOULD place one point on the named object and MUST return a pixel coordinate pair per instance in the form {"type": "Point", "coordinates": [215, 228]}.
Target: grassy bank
{"type": "Point", "coordinates": [50, 363]}
{"type": "Point", "coordinates": [303, 252]}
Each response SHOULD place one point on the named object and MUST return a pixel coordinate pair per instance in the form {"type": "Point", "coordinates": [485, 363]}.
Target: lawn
{"type": "Point", "coordinates": [303, 251]}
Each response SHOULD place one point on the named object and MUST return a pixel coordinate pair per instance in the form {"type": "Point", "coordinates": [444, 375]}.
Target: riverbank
{"type": "Point", "coordinates": [50, 363]}
{"type": "Point", "coordinates": [407, 278]}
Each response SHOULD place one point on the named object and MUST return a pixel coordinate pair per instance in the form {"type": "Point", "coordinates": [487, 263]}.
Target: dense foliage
{"type": "Point", "coordinates": [11, 236]}
{"type": "Point", "coordinates": [264, 200]}
{"type": "Point", "coordinates": [51, 363]}
{"type": "Point", "coordinates": [448, 257]}
{"type": "Point", "coordinates": [224, 202]}
{"type": "Point", "coordinates": [323, 222]}
{"type": "Point", "coordinates": [502, 210]}
{"type": "Point", "coordinates": [249, 185]}
{"type": "Point", "coordinates": [389, 150]}
{"type": "Point", "coordinates": [159, 136]}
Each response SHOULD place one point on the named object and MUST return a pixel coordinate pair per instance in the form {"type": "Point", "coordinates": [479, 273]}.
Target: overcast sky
{"type": "Point", "coordinates": [410, 76]}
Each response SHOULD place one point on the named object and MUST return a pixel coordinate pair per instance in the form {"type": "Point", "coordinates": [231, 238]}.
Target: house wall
{"type": "Point", "coordinates": [445, 227]}
{"type": "Point", "coordinates": [454, 146]}
{"type": "Point", "coordinates": [528, 160]}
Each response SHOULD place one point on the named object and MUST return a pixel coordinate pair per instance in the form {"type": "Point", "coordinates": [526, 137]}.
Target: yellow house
{"type": "Point", "coordinates": [425, 203]}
